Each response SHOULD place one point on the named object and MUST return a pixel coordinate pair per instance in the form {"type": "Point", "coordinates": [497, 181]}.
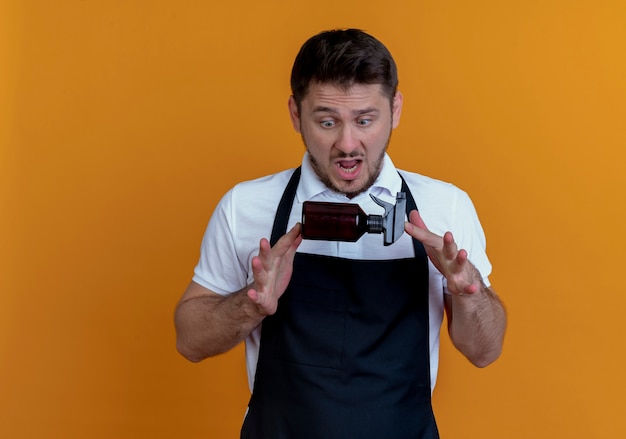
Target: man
{"type": "Point", "coordinates": [342, 338]}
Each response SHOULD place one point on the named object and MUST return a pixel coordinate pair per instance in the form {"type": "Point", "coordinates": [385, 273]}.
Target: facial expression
{"type": "Point", "coordinates": [346, 132]}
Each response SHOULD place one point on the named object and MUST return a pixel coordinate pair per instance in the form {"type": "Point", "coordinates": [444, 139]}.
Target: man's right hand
{"type": "Point", "coordinates": [272, 269]}
{"type": "Point", "coordinates": [209, 324]}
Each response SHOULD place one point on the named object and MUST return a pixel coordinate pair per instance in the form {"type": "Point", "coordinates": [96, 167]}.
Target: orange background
{"type": "Point", "coordinates": [123, 122]}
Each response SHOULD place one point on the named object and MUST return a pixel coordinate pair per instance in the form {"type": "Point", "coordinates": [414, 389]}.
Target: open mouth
{"type": "Point", "coordinates": [348, 166]}
{"type": "Point", "coordinates": [348, 169]}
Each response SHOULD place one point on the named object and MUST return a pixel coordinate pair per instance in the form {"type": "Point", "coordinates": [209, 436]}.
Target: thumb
{"type": "Point", "coordinates": [416, 219]}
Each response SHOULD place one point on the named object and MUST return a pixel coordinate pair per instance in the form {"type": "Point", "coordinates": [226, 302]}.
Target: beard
{"type": "Point", "coordinates": [323, 176]}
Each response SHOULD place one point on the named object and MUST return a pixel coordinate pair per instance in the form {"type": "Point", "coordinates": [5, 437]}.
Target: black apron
{"type": "Point", "coordinates": [346, 355]}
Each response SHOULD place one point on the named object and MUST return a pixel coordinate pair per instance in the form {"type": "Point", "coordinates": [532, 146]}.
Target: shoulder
{"type": "Point", "coordinates": [430, 189]}
{"type": "Point", "coordinates": [252, 204]}
{"type": "Point", "coordinates": [443, 205]}
{"type": "Point", "coordinates": [243, 216]}
{"type": "Point", "coordinates": [259, 191]}
{"type": "Point", "coordinates": [269, 186]}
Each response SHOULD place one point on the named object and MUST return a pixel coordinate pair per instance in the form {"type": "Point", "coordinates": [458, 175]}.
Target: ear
{"type": "Point", "coordinates": [294, 114]}
{"type": "Point", "coordinates": [396, 109]}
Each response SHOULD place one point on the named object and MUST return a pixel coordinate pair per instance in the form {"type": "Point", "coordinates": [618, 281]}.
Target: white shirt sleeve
{"type": "Point", "coordinates": [469, 234]}
{"type": "Point", "coordinates": [219, 268]}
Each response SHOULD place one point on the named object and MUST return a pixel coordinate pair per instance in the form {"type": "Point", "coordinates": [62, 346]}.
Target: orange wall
{"type": "Point", "coordinates": [123, 122]}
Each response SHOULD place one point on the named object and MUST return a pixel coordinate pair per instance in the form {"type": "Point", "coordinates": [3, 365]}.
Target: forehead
{"type": "Point", "coordinates": [356, 96]}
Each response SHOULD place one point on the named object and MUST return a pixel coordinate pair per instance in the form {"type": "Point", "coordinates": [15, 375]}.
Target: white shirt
{"type": "Point", "coordinates": [246, 214]}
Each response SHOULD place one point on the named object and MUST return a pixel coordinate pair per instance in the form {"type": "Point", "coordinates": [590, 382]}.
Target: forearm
{"type": "Point", "coordinates": [476, 316]}
{"type": "Point", "coordinates": [209, 325]}
{"type": "Point", "coordinates": [477, 323]}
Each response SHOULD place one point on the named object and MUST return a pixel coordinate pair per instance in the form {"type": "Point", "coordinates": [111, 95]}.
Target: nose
{"type": "Point", "coordinates": [348, 140]}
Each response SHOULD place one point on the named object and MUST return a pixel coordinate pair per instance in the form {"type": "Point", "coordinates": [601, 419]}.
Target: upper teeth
{"type": "Point", "coordinates": [351, 169]}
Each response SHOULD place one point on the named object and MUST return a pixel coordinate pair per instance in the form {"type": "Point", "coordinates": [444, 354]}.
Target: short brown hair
{"type": "Point", "coordinates": [343, 57]}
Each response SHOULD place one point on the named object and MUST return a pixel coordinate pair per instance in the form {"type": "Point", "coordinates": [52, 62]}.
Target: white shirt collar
{"type": "Point", "coordinates": [386, 186]}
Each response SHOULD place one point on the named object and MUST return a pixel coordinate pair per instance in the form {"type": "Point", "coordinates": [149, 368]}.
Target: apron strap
{"type": "Point", "coordinates": [410, 201]}
{"type": "Point", "coordinates": [410, 205]}
{"type": "Point", "coordinates": [284, 207]}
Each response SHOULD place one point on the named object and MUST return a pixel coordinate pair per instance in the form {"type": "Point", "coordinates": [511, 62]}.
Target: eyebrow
{"type": "Point", "coordinates": [368, 110]}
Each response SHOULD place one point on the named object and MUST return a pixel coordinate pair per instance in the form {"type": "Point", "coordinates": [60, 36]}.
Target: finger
{"type": "Point", "coordinates": [260, 301]}
{"type": "Point", "coordinates": [416, 219]}
{"type": "Point", "coordinates": [265, 254]}
{"type": "Point", "coordinates": [297, 229]}
{"type": "Point", "coordinates": [265, 249]}
{"type": "Point", "coordinates": [461, 257]}
{"type": "Point", "coordinates": [253, 295]}
{"type": "Point", "coordinates": [259, 272]}
{"type": "Point", "coordinates": [296, 234]}
{"type": "Point", "coordinates": [291, 252]}
{"type": "Point", "coordinates": [289, 241]}
{"type": "Point", "coordinates": [415, 226]}
{"type": "Point", "coordinates": [423, 235]}
{"type": "Point", "coordinates": [471, 289]}
{"type": "Point", "coordinates": [450, 249]}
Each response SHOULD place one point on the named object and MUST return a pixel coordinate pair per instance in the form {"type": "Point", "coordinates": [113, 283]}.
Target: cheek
{"type": "Point", "coordinates": [317, 139]}
{"type": "Point", "coordinates": [378, 140]}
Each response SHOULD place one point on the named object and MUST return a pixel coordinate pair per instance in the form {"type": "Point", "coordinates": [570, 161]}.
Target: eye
{"type": "Point", "coordinates": [327, 123]}
{"type": "Point", "coordinates": [364, 122]}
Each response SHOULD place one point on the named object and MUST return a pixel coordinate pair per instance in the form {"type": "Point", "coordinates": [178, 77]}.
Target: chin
{"type": "Point", "coordinates": [352, 190]}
